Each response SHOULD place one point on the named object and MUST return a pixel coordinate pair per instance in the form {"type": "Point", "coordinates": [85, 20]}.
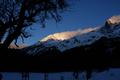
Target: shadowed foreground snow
{"type": "Point", "coordinates": [111, 74]}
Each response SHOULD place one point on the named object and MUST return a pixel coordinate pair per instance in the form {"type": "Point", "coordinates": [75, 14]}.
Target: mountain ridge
{"type": "Point", "coordinates": [70, 39]}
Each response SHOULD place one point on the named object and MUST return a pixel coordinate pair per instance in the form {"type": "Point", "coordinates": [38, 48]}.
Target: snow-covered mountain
{"type": "Point", "coordinates": [66, 40]}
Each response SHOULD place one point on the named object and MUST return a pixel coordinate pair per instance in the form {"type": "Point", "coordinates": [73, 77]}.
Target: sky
{"type": "Point", "coordinates": [80, 14]}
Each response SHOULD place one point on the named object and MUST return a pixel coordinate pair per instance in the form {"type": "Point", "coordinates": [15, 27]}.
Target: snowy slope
{"type": "Point", "coordinates": [70, 39]}
{"type": "Point", "coordinates": [111, 74]}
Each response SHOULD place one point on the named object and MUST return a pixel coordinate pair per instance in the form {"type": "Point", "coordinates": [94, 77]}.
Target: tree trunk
{"type": "Point", "coordinates": [3, 29]}
{"type": "Point", "coordinates": [10, 38]}
{"type": "Point", "coordinates": [18, 30]}
{"type": "Point", "coordinates": [2, 33]}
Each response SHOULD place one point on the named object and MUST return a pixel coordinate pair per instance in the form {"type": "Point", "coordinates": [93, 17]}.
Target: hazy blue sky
{"type": "Point", "coordinates": [81, 14]}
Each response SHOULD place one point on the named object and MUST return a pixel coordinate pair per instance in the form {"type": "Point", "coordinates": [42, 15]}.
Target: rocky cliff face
{"type": "Point", "coordinates": [111, 27]}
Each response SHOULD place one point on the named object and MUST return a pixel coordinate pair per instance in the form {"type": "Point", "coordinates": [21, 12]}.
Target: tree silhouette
{"type": "Point", "coordinates": [45, 76]}
{"type": "Point", "coordinates": [25, 75]}
{"type": "Point", "coordinates": [76, 75]}
{"type": "Point", "coordinates": [17, 15]}
{"type": "Point", "coordinates": [62, 77]}
{"type": "Point", "coordinates": [1, 76]}
{"type": "Point", "coordinates": [88, 74]}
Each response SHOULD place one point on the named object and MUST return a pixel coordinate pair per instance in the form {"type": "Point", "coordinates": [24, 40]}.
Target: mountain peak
{"type": "Point", "coordinates": [111, 25]}
{"type": "Point", "coordinates": [113, 21]}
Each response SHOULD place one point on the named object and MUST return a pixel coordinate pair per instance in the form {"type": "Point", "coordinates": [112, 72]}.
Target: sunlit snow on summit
{"type": "Point", "coordinates": [114, 20]}
{"type": "Point", "coordinates": [68, 34]}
